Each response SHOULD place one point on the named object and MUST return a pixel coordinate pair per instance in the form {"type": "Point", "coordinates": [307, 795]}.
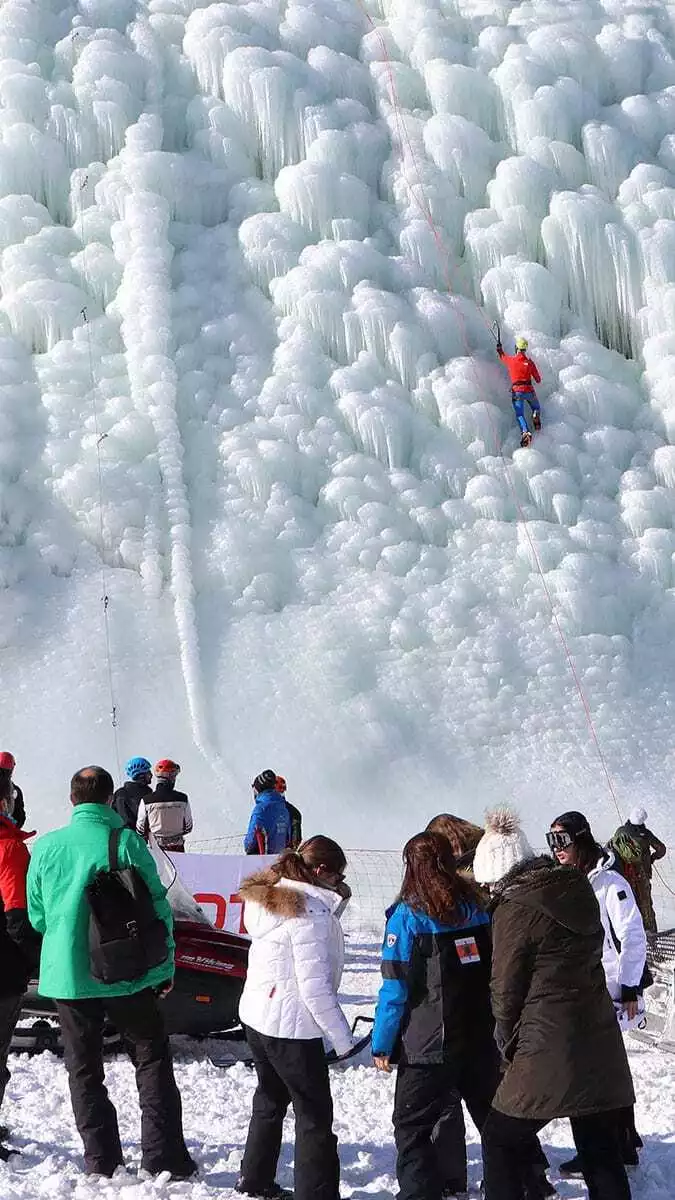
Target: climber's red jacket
{"type": "Point", "coordinates": [522, 371]}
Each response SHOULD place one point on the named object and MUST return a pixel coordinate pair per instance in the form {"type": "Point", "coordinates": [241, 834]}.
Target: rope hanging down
{"type": "Point", "coordinates": [100, 438]}
{"type": "Point", "coordinates": [494, 330]}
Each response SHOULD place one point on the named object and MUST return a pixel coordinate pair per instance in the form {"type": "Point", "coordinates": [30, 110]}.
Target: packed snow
{"type": "Point", "coordinates": [262, 498]}
{"type": "Point", "coordinates": [216, 1107]}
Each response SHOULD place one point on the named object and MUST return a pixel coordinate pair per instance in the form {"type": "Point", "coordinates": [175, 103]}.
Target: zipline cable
{"type": "Point", "coordinates": [100, 438]}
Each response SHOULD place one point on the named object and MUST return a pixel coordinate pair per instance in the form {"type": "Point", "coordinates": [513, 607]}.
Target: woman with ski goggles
{"type": "Point", "coordinates": [624, 951]}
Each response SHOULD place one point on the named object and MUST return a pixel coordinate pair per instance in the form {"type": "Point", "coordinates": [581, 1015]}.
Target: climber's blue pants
{"type": "Point", "coordinates": [518, 399]}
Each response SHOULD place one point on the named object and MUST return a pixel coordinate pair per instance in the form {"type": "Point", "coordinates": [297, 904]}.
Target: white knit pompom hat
{"type": "Point", "coordinates": [502, 847]}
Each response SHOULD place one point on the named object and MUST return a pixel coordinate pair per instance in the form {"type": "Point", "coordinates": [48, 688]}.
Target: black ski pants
{"type": "Point", "coordinates": [448, 1137]}
{"type": "Point", "coordinates": [10, 1010]}
{"type": "Point", "coordinates": [293, 1072]}
{"type": "Point", "coordinates": [139, 1022]}
{"type": "Point", "coordinates": [506, 1143]}
{"type": "Point", "coordinates": [426, 1099]}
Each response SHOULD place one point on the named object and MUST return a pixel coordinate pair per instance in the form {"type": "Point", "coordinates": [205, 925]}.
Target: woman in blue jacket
{"type": "Point", "coordinates": [433, 1013]}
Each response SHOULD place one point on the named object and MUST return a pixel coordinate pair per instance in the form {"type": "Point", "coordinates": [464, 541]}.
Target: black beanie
{"type": "Point", "coordinates": [266, 781]}
{"type": "Point", "coordinates": [574, 823]}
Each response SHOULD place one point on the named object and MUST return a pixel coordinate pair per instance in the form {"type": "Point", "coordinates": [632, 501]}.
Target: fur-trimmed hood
{"type": "Point", "coordinates": [295, 961]}
{"type": "Point", "coordinates": [282, 900]}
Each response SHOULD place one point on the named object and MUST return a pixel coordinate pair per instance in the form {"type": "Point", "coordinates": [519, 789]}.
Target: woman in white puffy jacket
{"type": "Point", "coordinates": [624, 951]}
{"type": "Point", "coordinates": [288, 1008]}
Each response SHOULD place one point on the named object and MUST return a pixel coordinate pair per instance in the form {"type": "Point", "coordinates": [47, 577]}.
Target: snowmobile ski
{"type": "Point", "coordinates": [230, 1059]}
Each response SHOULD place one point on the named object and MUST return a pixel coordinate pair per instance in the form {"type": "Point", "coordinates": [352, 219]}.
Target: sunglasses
{"type": "Point", "coordinates": [559, 840]}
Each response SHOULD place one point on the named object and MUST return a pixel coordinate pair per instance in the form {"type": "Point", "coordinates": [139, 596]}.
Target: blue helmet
{"type": "Point", "coordinates": [138, 766]}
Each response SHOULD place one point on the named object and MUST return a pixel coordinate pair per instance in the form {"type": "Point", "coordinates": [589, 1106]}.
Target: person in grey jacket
{"type": "Point", "coordinates": [165, 813]}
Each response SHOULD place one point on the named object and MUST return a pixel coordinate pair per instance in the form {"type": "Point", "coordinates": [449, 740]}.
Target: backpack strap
{"type": "Point", "coordinates": [113, 849]}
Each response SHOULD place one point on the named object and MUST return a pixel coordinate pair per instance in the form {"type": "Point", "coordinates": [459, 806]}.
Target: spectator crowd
{"type": "Point", "coordinates": [508, 979]}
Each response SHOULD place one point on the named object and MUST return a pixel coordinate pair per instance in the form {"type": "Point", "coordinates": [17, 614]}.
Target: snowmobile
{"type": "Point", "coordinates": [659, 1026]}
{"type": "Point", "coordinates": [209, 978]}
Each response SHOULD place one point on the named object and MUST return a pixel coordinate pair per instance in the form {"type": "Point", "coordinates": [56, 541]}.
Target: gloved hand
{"type": "Point", "coordinates": [500, 348]}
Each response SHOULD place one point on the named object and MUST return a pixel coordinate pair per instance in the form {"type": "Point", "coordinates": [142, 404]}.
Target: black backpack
{"type": "Point", "coordinates": [126, 937]}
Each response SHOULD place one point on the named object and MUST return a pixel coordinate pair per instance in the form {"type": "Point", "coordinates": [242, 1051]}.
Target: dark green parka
{"type": "Point", "coordinates": [555, 1021]}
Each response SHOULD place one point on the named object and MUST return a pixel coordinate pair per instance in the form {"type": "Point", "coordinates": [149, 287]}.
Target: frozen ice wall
{"type": "Point", "coordinates": [250, 254]}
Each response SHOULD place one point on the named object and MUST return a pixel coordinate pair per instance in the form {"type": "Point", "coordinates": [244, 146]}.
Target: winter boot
{"type": "Point", "coordinates": [536, 421]}
{"type": "Point", "coordinates": [273, 1191]}
{"type": "Point", "coordinates": [187, 1169]}
{"type": "Point", "coordinates": [536, 1185]}
{"type": "Point", "coordinates": [526, 439]}
{"type": "Point", "coordinates": [571, 1167]}
{"type": "Point", "coordinates": [454, 1187]}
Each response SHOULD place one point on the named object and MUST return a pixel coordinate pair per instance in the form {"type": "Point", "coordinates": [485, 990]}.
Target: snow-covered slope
{"type": "Point", "coordinates": [243, 368]}
{"type": "Point", "coordinates": [216, 1112]}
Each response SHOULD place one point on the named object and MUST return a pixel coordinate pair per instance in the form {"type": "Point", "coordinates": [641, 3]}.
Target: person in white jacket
{"type": "Point", "coordinates": [165, 813]}
{"type": "Point", "coordinates": [624, 952]}
{"type": "Point", "coordinates": [288, 1008]}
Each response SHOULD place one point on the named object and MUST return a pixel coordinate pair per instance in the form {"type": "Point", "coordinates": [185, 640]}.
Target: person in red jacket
{"type": "Point", "coordinates": [19, 943]}
{"type": "Point", "coordinates": [523, 374]}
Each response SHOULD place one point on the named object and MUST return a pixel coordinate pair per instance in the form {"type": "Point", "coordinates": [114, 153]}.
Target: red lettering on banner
{"type": "Point", "coordinates": [220, 903]}
{"type": "Point", "coordinates": [236, 899]}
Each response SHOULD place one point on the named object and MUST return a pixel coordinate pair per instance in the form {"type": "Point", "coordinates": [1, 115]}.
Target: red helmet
{"type": "Point", "coordinates": [7, 761]}
{"type": "Point", "coordinates": [280, 784]}
{"type": "Point", "coordinates": [166, 769]}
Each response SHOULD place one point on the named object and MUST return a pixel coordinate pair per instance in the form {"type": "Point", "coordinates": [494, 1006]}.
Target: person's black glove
{"type": "Point", "coordinates": [500, 348]}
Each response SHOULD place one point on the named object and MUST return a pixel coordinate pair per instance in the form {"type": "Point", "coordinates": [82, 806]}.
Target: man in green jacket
{"type": "Point", "coordinates": [62, 864]}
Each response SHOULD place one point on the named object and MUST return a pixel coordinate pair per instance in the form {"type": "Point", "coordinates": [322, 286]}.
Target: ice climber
{"type": "Point", "coordinates": [523, 374]}
{"type": "Point", "coordinates": [269, 829]}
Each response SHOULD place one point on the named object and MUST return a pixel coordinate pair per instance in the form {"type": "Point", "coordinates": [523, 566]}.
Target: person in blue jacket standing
{"type": "Point", "coordinates": [269, 829]}
{"type": "Point", "coordinates": [433, 1012]}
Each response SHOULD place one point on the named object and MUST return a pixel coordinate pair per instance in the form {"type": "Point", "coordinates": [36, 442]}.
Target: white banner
{"type": "Point", "coordinates": [214, 879]}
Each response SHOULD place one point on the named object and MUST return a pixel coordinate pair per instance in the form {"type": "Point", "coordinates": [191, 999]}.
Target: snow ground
{"type": "Point", "coordinates": [241, 249]}
{"type": "Point", "coordinates": [216, 1106]}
